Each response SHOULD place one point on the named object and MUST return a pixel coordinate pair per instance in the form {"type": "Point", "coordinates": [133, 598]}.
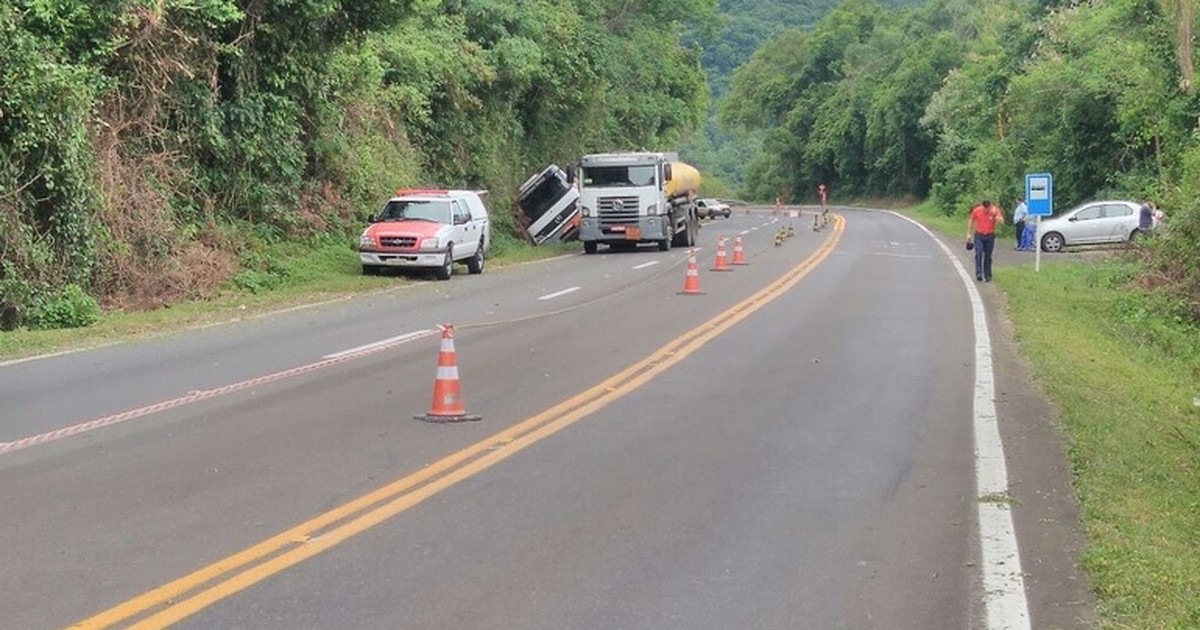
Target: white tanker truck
{"type": "Point", "coordinates": [637, 197]}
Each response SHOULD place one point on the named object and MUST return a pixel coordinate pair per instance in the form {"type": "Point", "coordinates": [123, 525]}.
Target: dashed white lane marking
{"type": "Point", "coordinates": [391, 341]}
{"type": "Point", "coordinates": [199, 395]}
{"type": "Point", "coordinates": [551, 296]}
{"type": "Point", "coordinates": [1003, 584]}
{"type": "Point", "coordinates": [644, 265]}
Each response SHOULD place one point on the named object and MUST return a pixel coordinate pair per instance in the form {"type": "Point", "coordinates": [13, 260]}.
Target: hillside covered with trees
{"type": "Point", "coordinates": [957, 100]}
{"type": "Point", "coordinates": [149, 148]}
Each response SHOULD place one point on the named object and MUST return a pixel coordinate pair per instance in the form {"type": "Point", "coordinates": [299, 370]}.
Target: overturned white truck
{"type": "Point", "coordinates": [550, 204]}
{"type": "Point", "coordinates": [637, 197]}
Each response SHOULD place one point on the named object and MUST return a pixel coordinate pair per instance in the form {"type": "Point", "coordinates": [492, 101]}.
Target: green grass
{"type": "Point", "coordinates": [282, 276]}
{"type": "Point", "coordinates": [1123, 374]}
{"type": "Point", "coordinates": [926, 212]}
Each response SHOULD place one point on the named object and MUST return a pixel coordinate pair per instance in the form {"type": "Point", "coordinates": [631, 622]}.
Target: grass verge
{"type": "Point", "coordinates": [285, 276]}
{"type": "Point", "coordinates": [1123, 373]}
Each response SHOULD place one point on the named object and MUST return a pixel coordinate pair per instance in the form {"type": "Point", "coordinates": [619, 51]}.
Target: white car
{"type": "Point", "coordinates": [1089, 224]}
{"type": "Point", "coordinates": [712, 208]}
{"type": "Point", "coordinates": [427, 229]}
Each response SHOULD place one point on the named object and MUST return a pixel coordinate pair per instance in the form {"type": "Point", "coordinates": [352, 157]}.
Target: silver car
{"type": "Point", "coordinates": [1089, 224]}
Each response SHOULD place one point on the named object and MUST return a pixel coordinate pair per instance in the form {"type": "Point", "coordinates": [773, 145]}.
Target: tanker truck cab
{"type": "Point", "coordinates": [427, 230]}
{"type": "Point", "coordinates": [640, 197]}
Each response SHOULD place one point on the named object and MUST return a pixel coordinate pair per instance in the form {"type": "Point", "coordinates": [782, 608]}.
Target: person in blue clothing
{"type": "Point", "coordinates": [1019, 215]}
{"type": "Point", "coordinates": [1146, 218]}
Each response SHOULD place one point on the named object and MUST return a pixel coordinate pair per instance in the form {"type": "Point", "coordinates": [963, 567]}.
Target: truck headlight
{"type": "Point", "coordinates": [585, 211]}
{"type": "Point", "coordinates": [429, 243]}
{"type": "Point", "coordinates": [652, 209]}
{"type": "Point", "coordinates": [366, 240]}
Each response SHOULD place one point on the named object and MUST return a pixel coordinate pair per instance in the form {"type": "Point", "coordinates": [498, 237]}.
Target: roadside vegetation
{"type": "Point", "coordinates": [1123, 373]}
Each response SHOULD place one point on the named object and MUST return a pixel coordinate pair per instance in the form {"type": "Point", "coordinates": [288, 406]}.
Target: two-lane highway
{"type": "Point", "coordinates": [792, 449]}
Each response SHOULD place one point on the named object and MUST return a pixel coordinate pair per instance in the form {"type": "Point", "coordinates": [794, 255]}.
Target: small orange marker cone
{"type": "Point", "coordinates": [739, 257]}
{"type": "Point", "coordinates": [691, 284]}
{"type": "Point", "coordinates": [448, 403]}
{"type": "Point", "coordinates": [722, 263]}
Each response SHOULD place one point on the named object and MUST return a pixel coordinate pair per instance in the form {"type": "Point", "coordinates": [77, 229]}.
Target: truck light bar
{"type": "Point", "coordinates": [401, 192]}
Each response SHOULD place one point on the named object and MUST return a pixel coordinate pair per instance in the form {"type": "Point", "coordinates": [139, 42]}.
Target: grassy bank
{"type": "Point", "coordinates": [1123, 375]}
{"type": "Point", "coordinates": [280, 276]}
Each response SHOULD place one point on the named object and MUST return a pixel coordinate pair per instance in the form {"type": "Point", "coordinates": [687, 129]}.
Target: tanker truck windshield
{"type": "Point", "coordinates": [600, 176]}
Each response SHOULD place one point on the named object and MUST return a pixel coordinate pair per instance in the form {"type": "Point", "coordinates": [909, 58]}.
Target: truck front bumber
{"type": "Point", "coordinates": [646, 228]}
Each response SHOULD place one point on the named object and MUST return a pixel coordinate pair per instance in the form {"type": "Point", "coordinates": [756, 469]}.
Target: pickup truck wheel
{"type": "Point", "coordinates": [475, 263]}
{"type": "Point", "coordinates": [589, 247]}
{"type": "Point", "coordinates": [447, 269]}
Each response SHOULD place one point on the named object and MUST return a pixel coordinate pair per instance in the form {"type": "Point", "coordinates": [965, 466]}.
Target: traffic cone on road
{"type": "Point", "coordinates": [722, 263]}
{"type": "Point", "coordinates": [691, 284]}
{"type": "Point", "coordinates": [448, 405]}
{"type": "Point", "coordinates": [739, 257]}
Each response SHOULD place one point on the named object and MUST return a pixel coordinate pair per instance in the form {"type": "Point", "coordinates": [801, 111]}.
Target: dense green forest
{"type": "Point", "coordinates": [957, 100]}
{"type": "Point", "coordinates": [151, 149]}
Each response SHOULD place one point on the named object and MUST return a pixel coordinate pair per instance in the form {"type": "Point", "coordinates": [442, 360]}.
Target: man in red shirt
{"type": "Point", "coordinates": [982, 226]}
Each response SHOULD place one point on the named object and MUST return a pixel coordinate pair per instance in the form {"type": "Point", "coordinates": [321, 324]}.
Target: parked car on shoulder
{"type": "Point", "coordinates": [712, 208]}
{"type": "Point", "coordinates": [428, 230]}
{"type": "Point", "coordinates": [1091, 223]}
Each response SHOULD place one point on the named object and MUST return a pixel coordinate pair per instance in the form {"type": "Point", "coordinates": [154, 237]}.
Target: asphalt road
{"type": "Point", "coordinates": [791, 449]}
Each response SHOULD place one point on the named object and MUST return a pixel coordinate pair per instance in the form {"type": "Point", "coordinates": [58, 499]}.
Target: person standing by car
{"type": "Point", "coordinates": [1019, 216]}
{"type": "Point", "coordinates": [1146, 218]}
{"type": "Point", "coordinates": [981, 224]}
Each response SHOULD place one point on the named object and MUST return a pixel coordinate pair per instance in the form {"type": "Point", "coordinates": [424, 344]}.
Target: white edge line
{"type": "Point", "coordinates": [551, 296]}
{"type": "Point", "coordinates": [198, 395]}
{"type": "Point", "coordinates": [398, 339]}
{"type": "Point", "coordinates": [647, 264]}
{"type": "Point", "coordinates": [1003, 583]}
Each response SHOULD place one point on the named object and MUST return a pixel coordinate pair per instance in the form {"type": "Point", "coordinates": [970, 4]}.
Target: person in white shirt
{"type": "Point", "coordinates": [1019, 216]}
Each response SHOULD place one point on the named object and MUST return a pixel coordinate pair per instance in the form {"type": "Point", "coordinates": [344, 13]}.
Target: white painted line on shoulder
{"type": "Point", "coordinates": [1004, 597]}
{"type": "Point", "coordinates": [376, 345]}
{"type": "Point", "coordinates": [647, 264]}
{"type": "Point", "coordinates": [551, 296]}
{"type": "Point", "coordinates": [199, 395]}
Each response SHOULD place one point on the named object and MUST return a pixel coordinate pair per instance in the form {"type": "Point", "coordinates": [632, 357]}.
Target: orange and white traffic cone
{"type": "Point", "coordinates": [739, 257]}
{"type": "Point", "coordinates": [448, 405]}
{"type": "Point", "coordinates": [722, 263]}
{"type": "Point", "coordinates": [691, 284]}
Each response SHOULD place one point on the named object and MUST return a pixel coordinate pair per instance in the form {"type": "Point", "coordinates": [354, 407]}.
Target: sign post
{"type": "Point", "coordinates": [1039, 199]}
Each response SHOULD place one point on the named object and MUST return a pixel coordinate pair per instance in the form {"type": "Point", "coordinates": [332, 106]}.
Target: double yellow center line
{"type": "Point", "coordinates": [177, 600]}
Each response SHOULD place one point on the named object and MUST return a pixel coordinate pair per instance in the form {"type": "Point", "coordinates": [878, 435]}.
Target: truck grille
{"type": "Point", "coordinates": [405, 242]}
{"type": "Point", "coordinates": [616, 210]}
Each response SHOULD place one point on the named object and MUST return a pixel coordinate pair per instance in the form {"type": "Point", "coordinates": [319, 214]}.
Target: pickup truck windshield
{"type": "Point", "coordinates": [416, 210]}
{"type": "Point", "coordinates": [598, 176]}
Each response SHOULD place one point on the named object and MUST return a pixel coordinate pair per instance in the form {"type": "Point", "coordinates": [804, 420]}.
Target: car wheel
{"type": "Point", "coordinates": [371, 270]}
{"type": "Point", "coordinates": [589, 247]}
{"type": "Point", "coordinates": [475, 263]}
{"type": "Point", "coordinates": [447, 269]}
{"type": "Point", "coordinates": [1052, 242]}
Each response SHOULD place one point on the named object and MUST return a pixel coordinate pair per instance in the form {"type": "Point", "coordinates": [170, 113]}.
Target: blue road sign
{"type": "Point", "coordinates": [1039, 194]}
